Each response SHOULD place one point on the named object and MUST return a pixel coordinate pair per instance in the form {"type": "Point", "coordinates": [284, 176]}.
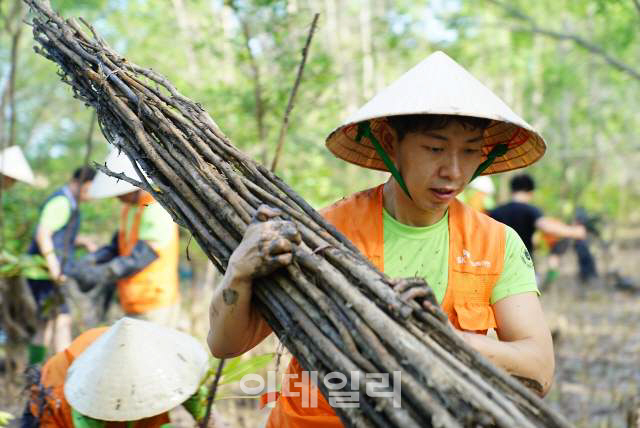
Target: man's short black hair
{"type": "Point", "coordinates": [406, 124]}
{"type": "Point", "coordinates": [84, 174]}
{"type": "Point", "coordinates": [522, 183]}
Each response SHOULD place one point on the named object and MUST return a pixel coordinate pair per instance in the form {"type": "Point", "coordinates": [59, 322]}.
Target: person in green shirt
{"type": "Point", "coordinates": [55, 238]}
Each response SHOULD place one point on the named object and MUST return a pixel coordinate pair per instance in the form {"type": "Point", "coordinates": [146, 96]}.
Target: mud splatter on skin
{"type": "Point", "coordinates": [229, 296]}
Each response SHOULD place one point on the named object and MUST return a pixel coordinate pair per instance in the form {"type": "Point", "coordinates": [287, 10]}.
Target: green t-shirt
{"type": "Point", "coordinates": [56, 213]}
{"type": "Point", "coordinates": [424, 252]}
{"type": "Point", "coordinates": [54, 216]}
{"type": "Point", "coordinates": [156, 224]}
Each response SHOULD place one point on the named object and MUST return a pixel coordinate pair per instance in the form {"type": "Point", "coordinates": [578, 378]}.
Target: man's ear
{"type": "Point", "coordinates": [485, 152]}
{"type": "Point", "coordinates": [388, 137]}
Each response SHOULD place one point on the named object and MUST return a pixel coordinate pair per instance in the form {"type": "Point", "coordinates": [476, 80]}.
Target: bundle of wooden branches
{"type": "Point", "coordinates": [332, 309]}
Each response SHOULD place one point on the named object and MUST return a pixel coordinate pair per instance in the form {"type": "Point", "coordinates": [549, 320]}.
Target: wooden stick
{"type": "Point", "coordinates": [294, 91]}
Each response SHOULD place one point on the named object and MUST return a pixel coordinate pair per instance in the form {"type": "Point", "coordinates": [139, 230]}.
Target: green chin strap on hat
{"type": "Point", "coordinates": [364, 130]}
{"type": "Point", "coordinates": [81, 421]}
{"type": "Point", "coordinates": [497, 151]}
{"type": "Point", "coordinates": [196, 405]}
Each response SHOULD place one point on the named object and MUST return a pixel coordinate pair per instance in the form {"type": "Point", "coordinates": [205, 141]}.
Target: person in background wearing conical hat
{"type": "Point", "coordinates": [142, 257]}
{"type": "Point", "coordinates": [479, 194]}
{"type": "Point", "coordinates": [128, 375]}
{"type": "Point", "coordinates": [55, 238]}
{"type": "Point", "coordinates": [434, 129]}
{"type": "Point", "coordinates": [14, 167]}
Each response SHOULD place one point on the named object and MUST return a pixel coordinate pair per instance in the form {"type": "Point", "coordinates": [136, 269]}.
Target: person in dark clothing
{"type": "Point", "coordinates": [525, 218]}
{"type": "Point", "coordinates": [55, 238]}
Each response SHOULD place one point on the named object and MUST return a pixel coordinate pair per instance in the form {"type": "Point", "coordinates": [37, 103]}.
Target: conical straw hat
{"type": "Point", "coordinates": [136, 369]}
{"type": "Point", "coordinates": [13, 164]}
{"type": "Point", "coordinates": [439, 85]}
{"type": "Point", "coordinates": [105, 186]}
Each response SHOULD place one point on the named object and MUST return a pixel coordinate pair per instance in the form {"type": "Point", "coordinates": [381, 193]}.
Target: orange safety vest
{"type": "Point", "coordinates": [476, 259]}
{"type": "Point", "coordinates": [157, 285]}
{"type": "Point", "coordinates": [47, 399]}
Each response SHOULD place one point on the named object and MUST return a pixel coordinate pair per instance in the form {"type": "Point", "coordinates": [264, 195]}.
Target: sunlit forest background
{"type": "Point", "coordinates": [571, 68]}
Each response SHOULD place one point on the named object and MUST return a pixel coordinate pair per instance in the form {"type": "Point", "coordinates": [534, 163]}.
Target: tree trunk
{"type": "Point", "coordinates": [367, 51]}
{"type": "Point", "coordinates": [15, 41]}
{"type": "Point", "coordinates": [260, 108]}
{"type": "Point", "coordinates": [187, 32]}
{"type": "Point", "coordinates": [18, 320]}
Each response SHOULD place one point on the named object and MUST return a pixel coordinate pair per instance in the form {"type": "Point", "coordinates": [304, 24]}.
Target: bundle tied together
{"type": "Point", "coordinates": [331, 308]}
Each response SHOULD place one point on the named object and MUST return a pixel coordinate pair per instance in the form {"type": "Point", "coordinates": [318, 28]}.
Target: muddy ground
{"type": "Point", "coordinates": [597, 346]}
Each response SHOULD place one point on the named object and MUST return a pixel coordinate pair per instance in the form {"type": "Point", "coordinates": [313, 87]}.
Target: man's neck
{"type": "Point", "coordinates": [522, 197]}
{"type": "Point", "coordinates": [404, 210]}
{"type": "Point", "coordinates": [74, 188]}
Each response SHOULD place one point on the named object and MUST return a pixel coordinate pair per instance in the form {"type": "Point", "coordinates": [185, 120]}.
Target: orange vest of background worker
{"type": "Point", "coordinates": [466, 300]}
{"type": "Point", "coordinates": [143, 255]}
{"type": "Point", "coordinates": [123, 376]}
{"type": "Point", "coordinates": [479, 194]}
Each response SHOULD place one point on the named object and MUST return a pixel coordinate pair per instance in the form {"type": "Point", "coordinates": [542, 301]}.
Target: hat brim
{"type": "Point", "coordinates": [135, 370]}
{"type": "Point", "coordinates": [105, 186]}
{"type": "Point", "coordinates": [525, 146]}
{"type": "Point", "coordinates": [14, 165]}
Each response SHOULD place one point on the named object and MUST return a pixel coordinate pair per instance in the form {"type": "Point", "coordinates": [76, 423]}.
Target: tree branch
{"type": "Point", "coordinates": [580, 41]}
{"type": "Point", "coordinates": [211, 396]}
{"type": "Point", "coordinates": [257, 85]}
{"type": "Point", "coordinates": [294, 90]}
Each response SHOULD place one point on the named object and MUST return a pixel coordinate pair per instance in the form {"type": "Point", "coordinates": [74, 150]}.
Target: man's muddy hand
{"type": "Point", "coordinates": [268, 244]}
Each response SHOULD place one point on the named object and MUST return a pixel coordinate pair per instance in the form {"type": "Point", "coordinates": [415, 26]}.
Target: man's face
{"type": "Point", "coordinates": [437, 165]}
{"type": "Point", "coordinates": [83, 193]}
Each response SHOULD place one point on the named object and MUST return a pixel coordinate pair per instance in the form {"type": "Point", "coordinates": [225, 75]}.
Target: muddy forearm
{"type": "Point", "coordinates": [230, 317]}
{"type": "Point", "coordinates": [526, 358]}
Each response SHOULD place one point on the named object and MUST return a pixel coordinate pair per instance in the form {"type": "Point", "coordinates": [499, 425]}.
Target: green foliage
{"type": "Point", "coordinates": [65, 7]}
{"type": "Point", "coordinates": [583, 106]}
{"type": "Point", "coordinates": [12, 265]}
{"type": "Point", "coordinates": [235, 368]}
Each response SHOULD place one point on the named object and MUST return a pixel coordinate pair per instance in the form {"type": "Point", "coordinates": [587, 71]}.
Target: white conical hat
{"type": "Point", "coordinates": [13, 164]}
{"type": "Point", "coordinates": [483, 184]}
{"type": "Point", "coordinates": [135, 370]}
{"type": "Point", "coordinates": [105, 186]}
{"type": "Point", "coordinates": [439, 85]}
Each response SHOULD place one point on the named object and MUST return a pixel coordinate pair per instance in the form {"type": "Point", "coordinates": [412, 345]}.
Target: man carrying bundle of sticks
{"type": "Point", "coordinates": [434, 129]}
